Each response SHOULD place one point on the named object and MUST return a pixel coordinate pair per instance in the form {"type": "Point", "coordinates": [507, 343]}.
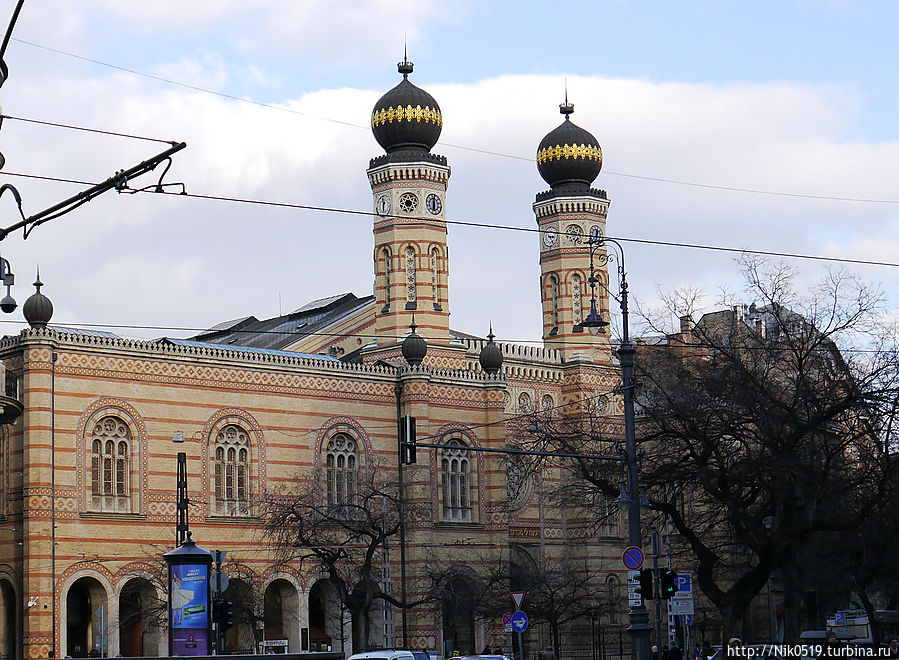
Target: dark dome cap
{"type": "Point", "coordinates": [569, 155]}
{"type": "Point", "coordinates": [406, 118]}
{"type": "Point", "coordinates": [414, 347]}
{"type": "Point", "coordinates": [38, 309]}
{"type": "Point", "coordinates": [491, 356]}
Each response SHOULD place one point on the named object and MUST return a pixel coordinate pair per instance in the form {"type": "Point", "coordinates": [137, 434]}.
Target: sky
{"type": "Point", "coordinates": [694, 103]}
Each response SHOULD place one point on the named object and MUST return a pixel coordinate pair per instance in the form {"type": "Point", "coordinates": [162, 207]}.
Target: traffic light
{"type": "Point", "coordinates": [226, 620]}
{"type": "Point", "coordinates": [668, 583]}
{"type": "Point", "coordinates": [645, 588]}
{"type": "Point", "coordinates": [407, 440]}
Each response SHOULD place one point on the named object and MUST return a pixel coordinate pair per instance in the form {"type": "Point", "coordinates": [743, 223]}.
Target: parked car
{"type": "Point", "coordinates": [385, 654]}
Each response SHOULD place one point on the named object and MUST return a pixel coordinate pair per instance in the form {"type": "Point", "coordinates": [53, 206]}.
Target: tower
{"type": "Point", "coordinates": [569, 159]}
{"type": "Point", "coordinates": [408, 184]}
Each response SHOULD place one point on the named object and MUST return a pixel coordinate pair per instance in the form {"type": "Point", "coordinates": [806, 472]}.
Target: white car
{"type": "Point", "coordinates": [386, 654]}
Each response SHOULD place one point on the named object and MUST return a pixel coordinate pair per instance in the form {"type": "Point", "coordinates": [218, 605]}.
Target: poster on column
{"type": "Point", "coordinates": [190, 609]}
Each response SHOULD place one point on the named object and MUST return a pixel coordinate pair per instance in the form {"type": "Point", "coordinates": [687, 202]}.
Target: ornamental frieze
{"type": "Point", "coordinates": [407, 113]}
{"type": "Point", "coordinates": [566, 151]}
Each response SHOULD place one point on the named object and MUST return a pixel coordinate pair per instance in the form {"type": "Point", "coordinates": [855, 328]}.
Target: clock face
{"type": "Point", "coordinates": [408, 202]}
{"type": "Point", "coordinates": [433, 203]}
{"type": "Point", "coordinates": [550, 236]}
{"type": "Point", "coordinates": [574, 234]}
{"type": "Point", "coordinates": [596, 234]}
{"type": "Point", "coordinates": [383, 204]}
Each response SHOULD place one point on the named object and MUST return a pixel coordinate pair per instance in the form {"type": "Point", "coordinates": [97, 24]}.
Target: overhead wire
{"type": "Point", "coordinates": [482, 225]}
{"type": "Point", "coordinates": [282, 108]}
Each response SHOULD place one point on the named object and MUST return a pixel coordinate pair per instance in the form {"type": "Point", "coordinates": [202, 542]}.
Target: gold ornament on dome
{"type": "Point", "coordinates": [566, 151]}
{"type": "Point", "coordinates": [408, 113]}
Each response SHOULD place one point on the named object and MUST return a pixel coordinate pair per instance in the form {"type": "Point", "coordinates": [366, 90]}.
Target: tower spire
{"type": "Point", "coordinates": [405, 67]}
{"type": "Point", "coordinates": [566, 108]}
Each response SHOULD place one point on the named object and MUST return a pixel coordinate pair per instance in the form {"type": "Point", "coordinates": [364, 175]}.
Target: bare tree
{"type": "Point", "coordinates": [344, 539]}
{"type": "Point", "coordinates": [760, 427]}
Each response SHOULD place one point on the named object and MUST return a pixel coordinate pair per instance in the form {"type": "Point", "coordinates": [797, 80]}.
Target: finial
{"type": "Point", "coordinates": [490, 336]}
{"type": "Point", "coordinates": [412, 325]}
{"type": "Point", "coordinates": [37, 283]}
{"type": "Point", "coordinates": [405, 67]}
{"type": "Point", "coordinates": [566, 108]}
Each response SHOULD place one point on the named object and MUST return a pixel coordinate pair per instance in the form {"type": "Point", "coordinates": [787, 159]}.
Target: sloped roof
{"type": "Point", "coordinates": [281, 331]}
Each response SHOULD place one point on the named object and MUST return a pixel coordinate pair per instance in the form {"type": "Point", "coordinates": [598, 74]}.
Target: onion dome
{"type": "Point", "coordinates": [414, 347]}
{"type": "Point", "coordinates": [38, 309]}
{"type": "Point", "coordinates": [491, 356]}
{"type": "Point", "coordinates": [406, 118]}
{"type": "Point", "coordinates": [569, 156]}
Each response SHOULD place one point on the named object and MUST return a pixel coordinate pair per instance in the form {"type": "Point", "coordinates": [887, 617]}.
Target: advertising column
{"type": "Point", "coordinates": [190, 620]}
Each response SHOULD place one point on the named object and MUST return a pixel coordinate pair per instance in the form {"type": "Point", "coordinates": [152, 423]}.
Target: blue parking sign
{"type": "Point", "coordinates": [684, 582]}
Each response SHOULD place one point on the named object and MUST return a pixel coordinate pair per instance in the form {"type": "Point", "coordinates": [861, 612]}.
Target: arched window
{"type": "Point", "coordinates": [341, 469]}
{"type": "Point", "coordinates": [613, 599]}
{"type": "Point", "coordinates": [554, 295]}
{"type": "Point", "coordinates": [611, 513]}
{"type": "Point", "coordinates": [455, 473]}
{"type": "Point", "coordinates": [576, 304]}
{"type": "Point", "coordinates": [410, 274]}
{"type": "Point", "coordinates": [111, 466]}
{"type": "Point", "coordinates": [384, 267]}
{"type": "Point", "coordinates": [231, 472]}
{"type": "Point", "coordinates": [435, 279]}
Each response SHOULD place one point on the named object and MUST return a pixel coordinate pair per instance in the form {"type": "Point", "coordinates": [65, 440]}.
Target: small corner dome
{"type": "Point", "coordinates": [38, 309]}
{"type": "Point", "coordinates": [414, 347]}
{"type": "Point", "coordinates": [569, 155]}
{"type": "Point", "coordinates": [406, 118]}
{"type": "Point", "coordinates": [491, 356]}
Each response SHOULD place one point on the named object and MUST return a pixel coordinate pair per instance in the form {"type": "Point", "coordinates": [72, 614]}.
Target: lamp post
{"type": "Point", "coordinates": [414, 348]}
{"type": "Point", "coordinates": [181, 525]}
{"type": "Point", "coordinates": [639, 628]}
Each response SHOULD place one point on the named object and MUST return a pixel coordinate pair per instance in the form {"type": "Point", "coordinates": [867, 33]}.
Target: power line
{"type": "Point", "coordinates": [82, 128]}
{"type": "Point", "coordinates": [487, 225]}
{"type": "Point", "coordinates": [270, 106]}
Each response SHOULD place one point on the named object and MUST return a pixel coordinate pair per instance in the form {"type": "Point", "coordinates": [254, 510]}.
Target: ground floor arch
{"type": "Point", "coordinates": [142, 619]}
{"type": "Point", "coordinates": [457, 616]}
{"type": "Point", "coordinates": [247, 609]}
{"type": "Point", "coordinates": [8, 609]}
{"type": "Point", "coordinates": [281, 613]}
{"type": "Point", "coordinates": [328, 620]}
{"type": "Point", "coordinates": [87, 618]}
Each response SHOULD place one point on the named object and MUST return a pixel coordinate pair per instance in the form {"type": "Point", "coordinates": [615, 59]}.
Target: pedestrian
{"type": "Point", "coordinates": [696, 651]}
{"type": "Point", "coordinates": [893, 647]}
{"type": "Point", "coordinates": [706, 651]}
{"type": "Point", "coordinates": [486, 651]}
{"type": "Point", "coordinates": [655, 652]}
{"type": "Point", "coordinates": [831, 647]}
{"type": "Point", "coordinates": [734, 644]}
{"type": "Point", "coordinates": [675, 653]}
{"type": "Point", "coordinates": [666, 652]}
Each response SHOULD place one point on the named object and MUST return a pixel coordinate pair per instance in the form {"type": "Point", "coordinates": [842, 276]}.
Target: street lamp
{"type": "Point", "coordinates": [414, 348]}
{"type": "Point", "coordinates": [639, 628]}
{"type": "Point", "coordinates": [181, 525]}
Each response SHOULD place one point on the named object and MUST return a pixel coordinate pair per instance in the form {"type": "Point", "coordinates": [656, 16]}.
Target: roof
{"type": "Point", "coordinates": [281, 331]}
{"type": "Point", "coordinates": [240, 349]}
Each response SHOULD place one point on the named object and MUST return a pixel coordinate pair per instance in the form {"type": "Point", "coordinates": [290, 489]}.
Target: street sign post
{"type": "Point", "coordinates": [519, 625]}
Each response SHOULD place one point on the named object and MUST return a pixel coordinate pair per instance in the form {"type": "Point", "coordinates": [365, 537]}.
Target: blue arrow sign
{"type": "Point", "coordinates": [519, 621]}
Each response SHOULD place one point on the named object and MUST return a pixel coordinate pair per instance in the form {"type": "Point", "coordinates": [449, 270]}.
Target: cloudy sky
{"type": "Point", "coordinates": [795, 99]}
